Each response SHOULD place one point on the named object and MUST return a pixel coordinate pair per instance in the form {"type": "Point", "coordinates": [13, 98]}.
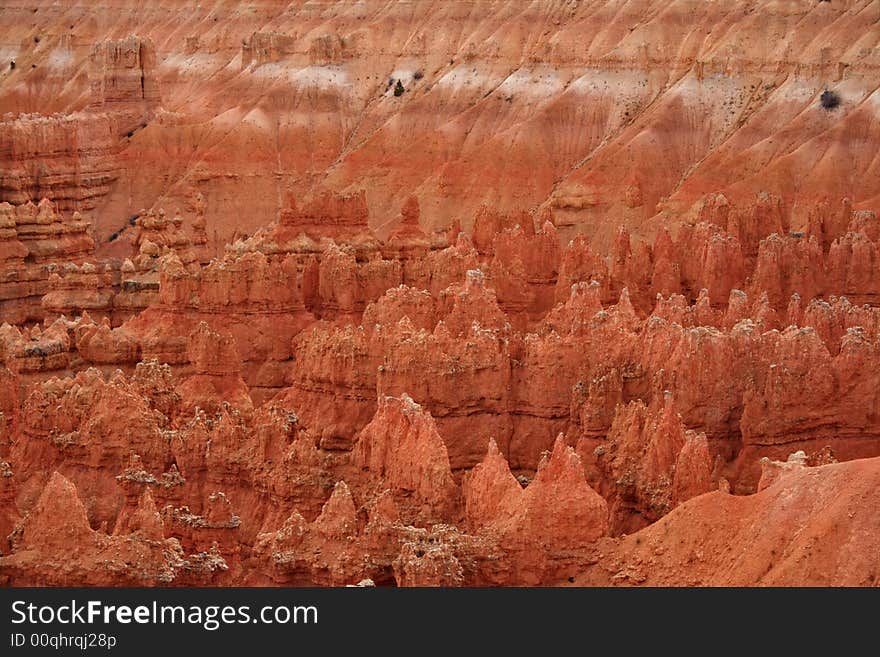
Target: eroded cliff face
{"type": "Point", "coordinates": [609, 113]}
{"type": "Point", "coordinates": [592, 300]}
{"type": "Point", "coordinates": [36, 239]}
{"type": "Point", "coordinates": [73, 157]}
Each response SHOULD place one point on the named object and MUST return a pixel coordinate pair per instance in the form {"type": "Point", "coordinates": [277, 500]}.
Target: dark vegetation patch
{"type": "Point", "coordinates": [829, 99]}
{"type": "Point", "coordinates": [129, 222]}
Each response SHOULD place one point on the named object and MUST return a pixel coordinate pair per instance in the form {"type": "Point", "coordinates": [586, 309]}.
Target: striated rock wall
{"type": "Point", "coordinates": [34, 241]}
{"type": "Point", "coordinates": [516, 107]}
{"type": "Point", "coordinates": [73, 158]}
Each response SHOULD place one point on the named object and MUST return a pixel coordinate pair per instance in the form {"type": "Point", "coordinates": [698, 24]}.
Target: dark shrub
{"type": "Point", "coordinates": [829, 99]}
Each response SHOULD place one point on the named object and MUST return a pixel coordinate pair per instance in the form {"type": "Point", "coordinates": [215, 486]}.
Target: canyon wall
{"type": "Point", "coordinates": [298, 294]}
{"type": "Point", "coordinates": [608, 112]}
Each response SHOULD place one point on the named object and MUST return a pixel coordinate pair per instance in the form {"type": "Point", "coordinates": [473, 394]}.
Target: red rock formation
{"type": "Point", "coordinates": [119, 291]}
{"type": "Point", "coordinates": [767, 539]}
{"type": "Point", "coordinates": [54, 544]}
{"type": "Point", "coordinates": [488, 487]}
{"type": "Point", "coordinates": [333, 384]}
{"type": "Point", "coordinates": [806, 396]}
{"type": "Point", "coordinates": [158, 235]}
{"type": "Point", "coordinates": [403, 450]}
{"type": "Point", "coordinates": [9, 516]}
{"type": "Point", "coordinates": [474, 302]}
{"type": "Point", "coordinates": [536, 257]}
{"type": "Point", "coordinates": [79, 151]}
{"type": "Point", "coordinates": [557, 512]}
{"type": "Point", "coordinates": [74, 158]}
{"type": "Point", "coordinates": [489, 222]}
{"type": "Point", "coordinates": [344, 218]}
{"type": "Point", "coordinates": [346, 286]}
{"type": "Point", "coordinates": [752, 224]}
{"type": "Point", "coordinates": [216, 377]}
{"type": "Point", "coordinates": [580, 264]}
{"type": "Point", "coordinates": [640, 458]}
{"type": "Point", "coordinates": [338, 371]}
{"type": "Point", "coordinates": [461, 380]}
{"type": "Point", "coordinates": [693, 469]}
{"type": "Point", "coordinates": [518, 149]}
{"type": "Point", "coordinates": [144, 520]}
{"type": "Point", "coordinates": [80, 289]}
{"type": "Point", "coordinates": [408, 231]}
{"type": "Point", "coordinates": [123, 81]}
{"type": "Point", "coordinates": [442, 268]}
{"type": "Point", "coordinates": [33, 351]}
{"type": "Point", "coordinates": [264, 47]}
{"type": "Point", "coordinates": [786, 266]}
{"type": "Point", "coordinates": [258, 301]}
{"type": "Point", "coordinates": [560, 504]}
{"type": "Point", "coordinates": [418, 306]}
{"type": "Point", "coordinates": [9, 404]}
{"type": "Point", "coordinates": [852, 267]}
{"type": "Point", "coordinates": [99, 344]}
{"type": "Point", "coordinates": [36, 238]}
{"type": "Point", "coordinates": [428, 563]}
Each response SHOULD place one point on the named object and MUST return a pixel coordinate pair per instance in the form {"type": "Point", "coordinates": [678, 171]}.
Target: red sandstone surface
{"type": "Point", "coordinates": [594, 300]}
